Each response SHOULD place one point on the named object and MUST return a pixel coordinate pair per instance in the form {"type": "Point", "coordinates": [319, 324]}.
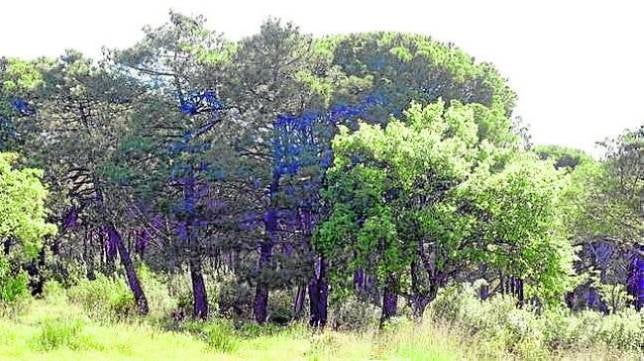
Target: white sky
{"type": "Point", "coordinates": [578, 66]}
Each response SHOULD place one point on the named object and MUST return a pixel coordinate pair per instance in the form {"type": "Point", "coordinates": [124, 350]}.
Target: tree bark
{"type": "Point", "coordinates": [199, 294]}
{"type": "Point", "coordinates": [298, 301]}
{"type": "Point", "coordinates": [260, 308]}
{"type": "Point", "coordinates": [318, 295]}
{"type": "Point", "coordinates": [419, 299]}
{"type": "Point", "coordinates": [389, 300]}
{"type": "Point", "coordinates": [132, 279]}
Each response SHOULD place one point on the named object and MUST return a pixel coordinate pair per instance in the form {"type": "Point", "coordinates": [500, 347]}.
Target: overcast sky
{"type": "Point", "coordinates": [577, 66]}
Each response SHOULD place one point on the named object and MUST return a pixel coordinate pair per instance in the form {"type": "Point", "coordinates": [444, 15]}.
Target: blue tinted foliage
{"type": "Point", "coordinates": [301, 145]}
{"type": "Point", "coordinates": [191, 173]}
{"type": "Point", "coordinates": [305, 140]}
{"type": "Point", "coordinates": [204, 101]}
{"type": "Point", "coordinates": [22, 107]}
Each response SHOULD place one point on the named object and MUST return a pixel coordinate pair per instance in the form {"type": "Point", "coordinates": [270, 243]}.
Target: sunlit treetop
{"type": "Point", "coordinates": [22, 205]}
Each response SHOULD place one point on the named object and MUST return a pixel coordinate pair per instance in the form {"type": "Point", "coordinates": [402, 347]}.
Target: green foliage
{"type": "Point", "coordinates": [561, 156]}
{"type": "Point", "coordinates": [607, 193]}
{"type": "Point", "coordinates": [160, 299]}
{"type": "Point", "coordinates": [22, 206]}
{"type": "Point", "coordinates": [219, 335]}
{"type": "Point", "coordinates": [500, 325]}
{"type": "Point", "coordinates": [525, 235]}
{"type": "Point", "coordinates": [615, 296]}
{"type": "Point", "coordinates": [20, 76]}
{"type": "Point", "coordinates": [53, 290]}
{"type": "Point", "coordinates": [234, 298]}
{"type": "Point", "coordinates": [63, 333]}
{"type": "Point", "coordinates": [12, 287]}
{"type": "Point", "coordinates": [354, 314]}
{"type": "Point", "coordinates": [280, 307]}
{"type": "Point", "coordinates": [104, 298]}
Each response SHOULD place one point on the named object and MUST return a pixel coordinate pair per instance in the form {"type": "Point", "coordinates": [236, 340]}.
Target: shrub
{"type": "Point", "coordinates": [103, 298]}
{"type": "Point", "coordinates": [623, 330]}
{"type": "Point", "coordinates": [13, 286]}
{"type": "Point", "coordinates": [160, 301]}
{"type": "Point", "coordinates": [59, 333]}
{"type": "Point", "coordinates": [14, 290]}
{"type": "Point", "coordinates": [219, 335]}
{"type": "Point", "coordinates": [53, 290]}
{"type": "Point", "coordinates": [235, 299]}
{"type": "Point", "coordinates": [280, 307]}
{"type": "Point", "coordinates": [354, 314]}
{"type": "Point", "coordinates": [501, 327]}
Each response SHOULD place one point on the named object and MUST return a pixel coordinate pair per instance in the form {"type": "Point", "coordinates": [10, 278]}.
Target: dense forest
{"type": "Point", "coordinates": [335, 184]}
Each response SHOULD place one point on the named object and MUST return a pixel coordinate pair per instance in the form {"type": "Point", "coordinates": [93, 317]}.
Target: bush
{"type": "Point", "coordinates": [53, 290]}
{"type": "Point", "coordinates": [13, 287]}
{"type": "Point", "coordinates": [353, 314]}
{"type": "Point", "coordinates": [502, 327]}
{"type": "Point", "coordinates": [235, 299]}
{"type": "Point", "coordinates": [280, 307]}
{"type": "Point", "coordinates": [160, 301]}
{"type": "Point", "coordinates": [219, 335]}
{"type": "Point", "coordinates": [59, 333]}
{"type": "Point", "coordinates": [104, 298]}
{"type": "Point", "coordinates": [623, 330]}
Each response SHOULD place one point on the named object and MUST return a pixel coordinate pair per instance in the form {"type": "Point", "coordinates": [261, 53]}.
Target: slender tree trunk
{"type": "Point", "coordinates": [298, 301]}
{"type": "Point", "coordinates": [318, 295]}
{"type": "Point", "coordinates": [260, 308]}
{"type": "Point", "coordinates": [130, 272]}
{"type": "Point", "coordinates": [519, 290]}
{"type": "Point", "coordinates": [419, 299]}
{"type": "Point", "coordinates": [389, 300]}
{"type": "Point", "coordinates": [199, 295]}
{"type": "Point", "coordinates": [261, 291]}
{"type": "Point", "coordinates": [484, 292]}
{"type": "Point", "coordinates": [359, 281]}
{"type": "Point", "coordinates": [513, 286]}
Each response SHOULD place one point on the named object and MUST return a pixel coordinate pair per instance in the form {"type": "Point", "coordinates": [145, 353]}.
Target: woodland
{"type": "Point", "coordinates": [364, 196]}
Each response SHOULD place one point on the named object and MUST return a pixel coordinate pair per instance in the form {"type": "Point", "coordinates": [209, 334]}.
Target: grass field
{"type": "Point", "coordinates": [57, 330]}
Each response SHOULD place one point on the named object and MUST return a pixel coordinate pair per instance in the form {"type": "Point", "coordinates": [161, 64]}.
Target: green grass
{"type": "Point", "coordinates": [56, 330]}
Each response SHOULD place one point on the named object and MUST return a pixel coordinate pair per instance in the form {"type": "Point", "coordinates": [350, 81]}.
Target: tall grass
{"type": "Point", "coordinates": [458, 326]}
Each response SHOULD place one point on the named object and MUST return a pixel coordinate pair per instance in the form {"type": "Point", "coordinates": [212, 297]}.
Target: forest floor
{"type": "Point", "coordinates": [49, 331]}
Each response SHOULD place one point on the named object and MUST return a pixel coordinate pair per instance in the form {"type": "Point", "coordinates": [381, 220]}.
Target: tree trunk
{"type": "Point", "coordinates": [484, 292]}
{"type": "Point", "coordinates": [419, 299]}
{"type": "Point", "coordinates": [260, 308]}
{"type": "Point", "coordinates": [199, 295]}
{"type": "Point", "coordinates": [130, 272]}
{"type": "Point", "coordinates": [519, 290]}
{"type": "Point", "coordinates": [318, 295]}
{"type": "Point", "coordinates": [389, 300]}
{"type": "Point", "coordinates": [298, 301]}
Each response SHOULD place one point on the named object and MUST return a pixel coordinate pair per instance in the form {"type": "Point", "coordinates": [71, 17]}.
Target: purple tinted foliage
{"type": "Point", "coordinates": [142, 241]}
{"type": "Point", "coordinates": [182, 230]}
{"type": "Point", "coordinates": [215, 205]}
{"type": "Point", "coordinates": [249, 221]}
{"type": "Point", "coordinates": [71, 219]}
{"type": "Point", "coordinates": [304, 141]}
{"type": "Point", "coordinates": [603, 253]}
{"type": "Point", "coordinates": [190, 174]}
